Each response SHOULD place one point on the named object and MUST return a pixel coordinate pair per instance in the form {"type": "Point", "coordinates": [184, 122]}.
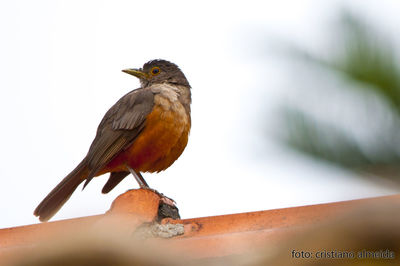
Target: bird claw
{"type": "Point", "coordinates": [163, 198]}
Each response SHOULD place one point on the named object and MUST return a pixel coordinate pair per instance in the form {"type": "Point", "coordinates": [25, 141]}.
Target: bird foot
{"type": "Point", "coordinates": [164, 198]}
{"type": "Point", "coordinates": [167, 207]}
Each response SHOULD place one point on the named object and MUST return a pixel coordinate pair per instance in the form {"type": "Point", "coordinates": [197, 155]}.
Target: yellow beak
{"type": "Point", "coordinates": [136, 72]}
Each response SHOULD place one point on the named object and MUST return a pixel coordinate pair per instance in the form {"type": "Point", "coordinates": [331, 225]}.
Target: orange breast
{"type": "Point", "coordinates": [160, 143]}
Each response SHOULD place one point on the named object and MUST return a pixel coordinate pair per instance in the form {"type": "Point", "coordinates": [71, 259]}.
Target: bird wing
{"type": "Point", "coordinates": [118, 129]}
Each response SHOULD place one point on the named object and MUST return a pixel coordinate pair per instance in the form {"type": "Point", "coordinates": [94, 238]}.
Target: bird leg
{"type": "Point", "coordinates": [143, 184]}
{"type": "Point", "coordinates": [139, 178]}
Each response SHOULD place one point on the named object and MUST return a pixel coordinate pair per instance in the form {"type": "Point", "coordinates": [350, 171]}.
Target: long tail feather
{"type": "Point", "coordinates": [61, 193]}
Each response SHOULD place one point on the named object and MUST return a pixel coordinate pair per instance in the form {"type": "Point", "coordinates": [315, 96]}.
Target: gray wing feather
{"type": "Point", "coordinates": [129, 118]}
{"type": "Point", "coordinates": [118, 129]}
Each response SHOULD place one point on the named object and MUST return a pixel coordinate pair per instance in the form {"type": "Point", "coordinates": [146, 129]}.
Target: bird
{"type": "Point", "coordinates": [144, 131]}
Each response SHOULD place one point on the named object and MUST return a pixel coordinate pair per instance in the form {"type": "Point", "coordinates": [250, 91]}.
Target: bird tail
{"type": "Point", "coordinates": [61, 193]}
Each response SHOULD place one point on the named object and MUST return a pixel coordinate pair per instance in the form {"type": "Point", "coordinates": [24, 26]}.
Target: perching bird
{"type": "Point", "coordinates": [145, 131]}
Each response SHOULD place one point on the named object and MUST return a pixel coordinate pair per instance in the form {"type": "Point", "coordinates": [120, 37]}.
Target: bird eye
{"type": "Point", "coordinates": [155, 71]}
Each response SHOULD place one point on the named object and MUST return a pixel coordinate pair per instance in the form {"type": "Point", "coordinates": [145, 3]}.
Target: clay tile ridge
{"type": "Point", "coordinates": [204, 237]}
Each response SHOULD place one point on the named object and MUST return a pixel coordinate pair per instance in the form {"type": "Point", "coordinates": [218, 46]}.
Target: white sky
{"type": "Point", "coordinates": [60, 71]}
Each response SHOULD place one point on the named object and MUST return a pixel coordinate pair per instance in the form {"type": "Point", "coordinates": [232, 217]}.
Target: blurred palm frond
{"type": "Point", "coordinates": [367, 61]}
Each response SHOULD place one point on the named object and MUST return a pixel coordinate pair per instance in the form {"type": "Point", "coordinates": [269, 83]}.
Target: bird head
{"type": "Point", "coordinates": [158, 71]}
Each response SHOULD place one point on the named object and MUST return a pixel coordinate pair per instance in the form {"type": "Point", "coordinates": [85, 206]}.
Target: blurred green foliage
{"type": "Point", "coordinates": [367, 62]}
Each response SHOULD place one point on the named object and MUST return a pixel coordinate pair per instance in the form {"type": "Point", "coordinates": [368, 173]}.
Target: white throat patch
{"type": "Point", "coordinates": [167, 91]}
